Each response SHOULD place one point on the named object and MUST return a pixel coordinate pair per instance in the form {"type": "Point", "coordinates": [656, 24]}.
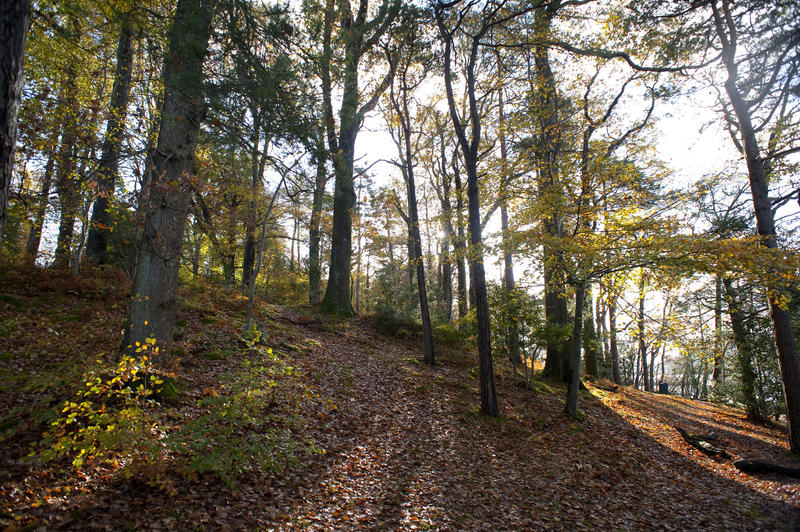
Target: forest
{"type": "Point", "coordinates": [396, 264]}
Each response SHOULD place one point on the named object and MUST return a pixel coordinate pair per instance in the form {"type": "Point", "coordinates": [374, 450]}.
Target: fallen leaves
{"type": "Point", "coordinates": [404, 446]}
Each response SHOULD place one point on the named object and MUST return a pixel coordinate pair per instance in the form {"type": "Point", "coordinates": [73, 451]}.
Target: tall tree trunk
{"type": "Point", "coordinates": [744, 353]}
{"type": "Point", "coordinates": [547, 150]}
{"type": "Point", "coordinates": [258, 163]}
{"type": "Point", "coordinates": [469, 150]}
{"type": "Point", "coordinates": [612, 336]}
{"type": "Point", "coordinates": [765, 222]}
{"type": "Point", "coordinates": [166, 200]}
{"type": "Point", "coordinates": [35, 234]}
{"type": "Point", "coordinates": [413, 216]}
{"type": "Point", "coordinates": [718, 353]}
{"type": "Point", "coordinates": [574, 363]}
{"type": "Point", "coordinates": [459, 244]}
{"type": "Point", "coordinates": [590, 342]}
{"type": "Point", "coordinates": [15, 18]}
{"type": "Point", "coordinates": [314, 235]}
{"type": "Point", "coordinates": [108, 168]}
{"type": "Point", "coordinates": [359, 36]}
{"type": "Point", "coordinates": [512, 334]}
{"type": "Point", "coordinates": [66, 179]}
{"type": "Point", "coordinates": [642, 343]}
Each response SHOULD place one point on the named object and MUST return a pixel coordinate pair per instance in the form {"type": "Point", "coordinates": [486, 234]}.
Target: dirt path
{"type": "Point", "coordinates": [405, 449]}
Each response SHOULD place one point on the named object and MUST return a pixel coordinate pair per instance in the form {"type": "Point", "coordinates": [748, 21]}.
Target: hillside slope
{"type": "Point", "coordinates": [382, 441]}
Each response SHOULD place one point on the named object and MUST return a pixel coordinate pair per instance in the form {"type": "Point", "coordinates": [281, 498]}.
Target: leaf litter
{"type": "Point", "coordinates": [397, 445]}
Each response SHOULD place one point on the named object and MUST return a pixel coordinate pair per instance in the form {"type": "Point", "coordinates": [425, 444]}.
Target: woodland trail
{"type": "Point", "coordinates": [404, 446]}
{"type": "Point", "coordinates": [406, 449]}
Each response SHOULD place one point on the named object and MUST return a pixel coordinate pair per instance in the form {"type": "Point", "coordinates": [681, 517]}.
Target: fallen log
{"type": "Point", "coordinates": [760, 466]}
{"type": "Point", "coordinates": [697, 441]}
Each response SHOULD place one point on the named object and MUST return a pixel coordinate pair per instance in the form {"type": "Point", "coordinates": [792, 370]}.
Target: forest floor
{"type": "Point", "coordinates": [382, 440]}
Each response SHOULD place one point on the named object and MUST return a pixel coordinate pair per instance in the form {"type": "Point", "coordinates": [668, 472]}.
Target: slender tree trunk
{"type": "Point", "coordinates": [512, 335]}
{"type": "Point", "coordinates": [469, 149]}
{"type": "Point", "coordinates": [574, 367]}
{"type": "Point", "coordinates": [35, 234]}
{"type": "Point", "coordinates": [642, 343]}
{"type": "Point", "coordinates": [108, 168]}
{"type": "Point", "coordinates": [259, 162]}
{"type": "Point", "coordinates": [418, 262]}
{"type": "Point", "coordinates": [612, 335]}
{"type": "Point", "coordinates": [460, 248]}
{"type": "Point", "coordinates": [15, 18]}
{"type": "Point", "coordinates": [314, 235]}
{"type": "Point", "coordinates": [66, 180]}
{"type": "Point", "coordinates": [744, 351]}
{"type": "Point", "coordinates": [166, 200]}
{"type": "Point", "coordinates": [718, 353]}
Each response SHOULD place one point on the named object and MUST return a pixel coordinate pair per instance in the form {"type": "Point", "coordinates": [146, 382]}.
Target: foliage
{"type": "Point", "coordinates": [112, 416]}
{"type": "Point", "coordinates": [116, 421]}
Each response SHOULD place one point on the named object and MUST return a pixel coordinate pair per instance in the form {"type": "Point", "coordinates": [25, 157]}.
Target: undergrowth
{"type": "Point", "coordinates": [120, 420]}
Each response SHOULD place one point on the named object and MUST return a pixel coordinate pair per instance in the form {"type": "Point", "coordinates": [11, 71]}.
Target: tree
{"type": "Point", "coordinates": [452, 22]}
{"type": "Point", "coordinates": [166, 200]}
{"type": "Point", "coordinates": [782, 78]}
{"type": "Point", "coordinates": [358, 36]}
{"type": "Point", "coordinates": [14, 21]}
{"type": "Point", "coordinates": [108, 167]}
{"type": "Point", "coordinates": [414, 46]}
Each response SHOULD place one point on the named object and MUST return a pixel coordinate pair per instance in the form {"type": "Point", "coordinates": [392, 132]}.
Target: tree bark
{"type": "Point", "coordinates": [15, 18]}
{"type": "Point", "coordinates": [166, 200]}
{"type": "Point", "coordinates": [744, 353]}
{"type": "Point", "coordinates": [512, 333]}
{"type": "Point", "coordinates": [612, 334]}
{"type": "Point", "coordinates": [459, 245]}
{"type": "Point", "coordinates": [358, 37]}
{"type": "Point", "coordinates": [642, 343]}
{"type": "Point", "coordinates": [574, 363]}
{"type": "Point", "coordinates": [547, 151]}
{"type": "Point", "coordinates": [718, 354]}
{"type": "Point", "coordinates": [314, 235]}
{"type": "Point", "coordinates": [108, 168]}
{"type": "Point", "coordinates": [590, 342]}
{"type": "Point", "coordinates": [469, 150]}
{"type": "Point", "coordinates": [66, 180]}
{"type": "Point", "coordinates": [765, 223]}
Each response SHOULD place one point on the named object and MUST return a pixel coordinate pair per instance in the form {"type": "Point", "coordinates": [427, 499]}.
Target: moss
{"type": "Point", "coordinates": [169, 391]}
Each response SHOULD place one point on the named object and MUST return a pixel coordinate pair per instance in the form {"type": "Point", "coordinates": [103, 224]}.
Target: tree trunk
{"type": "Point", "coordinates": [35, 234]}
{"type": "Point", "coordinates": [108, 168]}
{"type": "Point", "coordinates": [15, 18]}
{"type": "Point", "coordinates": [66, 181]}
{"type": "Point", "coordinates": [590, 342]}
{"type": "Point", "coordinates": [166, 200]}
{"type": "Point", "coordinates": [546, 153]}
{"type": "Point", "coordinates": [417, 260]}
{"type": "Point", "coordinates": [314, 235]}
{"type": "Point", "coordinates": [459, 244]}
{"type": "Point", "coordinates": [358, 36]}
{"type": "Point", "coordinates": [642, 343]}
{"type": "Point", "coordinates": [612, 340]}
{"type": "Point", "coordinates": [744, 352]}
{"type": "Point", "coordinates": [718, 354]}
{"type": "Point", "coordinates": [469, 149]}
{"type": "Point", "coordinates": [512, 334]}
{"type": "Point", "coordinates": [574, 363]}
{"type": "Point", "coordinates": [781, 318]}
